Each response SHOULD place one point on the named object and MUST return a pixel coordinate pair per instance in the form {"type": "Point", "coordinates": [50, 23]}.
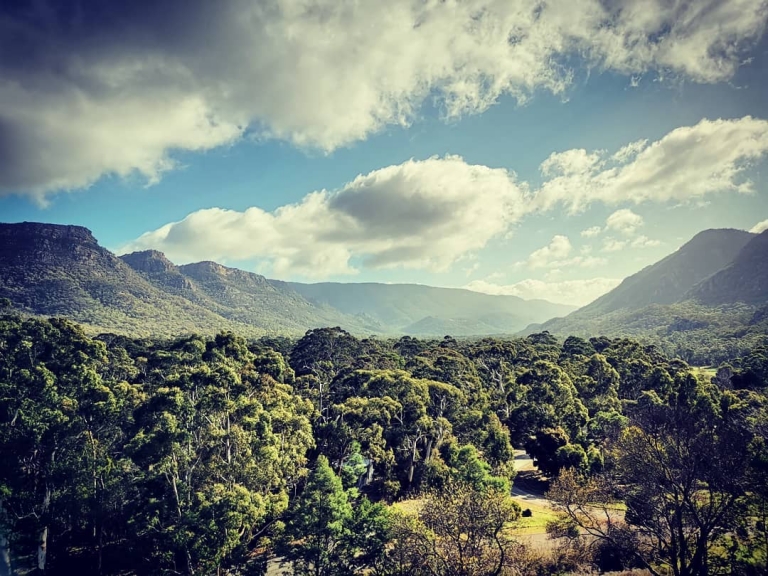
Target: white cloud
{"type": "Point", "coordinates": [613, 245]}
{"type": "Point", "coordinates": [419, 214]}
{"type": "Point", "coordinates": [591, 232]}
{"type": "Point", "coordinates": [644, 242]}
{"type": "Point", "coordinates": [118, 95]}
{"type": "Point", "coordinates": [573, 292]}
{"type": "Point", "coordinates": [552, 254]}
{"type": "Point", "coordinates": [429, 214]}
{"type": "Point", "coordinates": [759, 227]}
{"type": "Point", "coordinates": [556, 255]}
{"type": "Point", "coordinates": [683, 166]}
{"type": "Point", "coordinates": [624, 221]}
{"type": "Point", "coordinates": [589, 261]}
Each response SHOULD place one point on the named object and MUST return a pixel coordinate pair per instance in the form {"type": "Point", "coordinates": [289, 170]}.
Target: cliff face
{"type": "Point", "coordinates": [30, 243]}
{"type": "Point", "coordinates": [159, 270]}
{"type": "Point", "coordinates": [57, 270]}
{"type": "Point", "coordinates": [212, 272]}
{"type": "Point", "coordinates": [149, 261]}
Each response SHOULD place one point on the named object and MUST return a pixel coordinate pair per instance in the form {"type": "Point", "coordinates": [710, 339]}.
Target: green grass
{"type": "Point", "coordinates": [704, 372]}
{"type": "Point", "coordinates": [536, 523]}
{"type": "Point", "coordinates": [411, 507]}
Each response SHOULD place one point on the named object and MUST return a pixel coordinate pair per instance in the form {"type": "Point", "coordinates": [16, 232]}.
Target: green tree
{"type": "Point", "coordinates": [460, 531]}
{"type": "Point", "coordinates": [59, 425]}
{"type": "Point", "coordinates": [326, 535]}
{"type": "Point", "coordinates": [683, 469]}
{"type": "Point", "coordinates": [220, 446]}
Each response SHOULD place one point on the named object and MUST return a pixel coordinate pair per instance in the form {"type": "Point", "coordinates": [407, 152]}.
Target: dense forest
{"type": "Point", "coordinates": [221, 455]}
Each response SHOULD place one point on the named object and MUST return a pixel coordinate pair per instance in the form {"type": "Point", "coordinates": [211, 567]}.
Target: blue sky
{"type": "Point", "coordinates": [431, 153]}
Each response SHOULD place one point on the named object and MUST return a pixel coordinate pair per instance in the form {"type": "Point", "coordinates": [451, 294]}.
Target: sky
{"type": "Point", "coordinates": [541, 149]}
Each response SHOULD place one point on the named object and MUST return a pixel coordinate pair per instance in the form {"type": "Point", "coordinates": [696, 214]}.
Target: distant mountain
{"type": "Point", "coordinates": [745, 279]}
{"type": "Point", "coordinates": [54, 270]}
{"type": "Point", "coordinates": [668, 280]}
{"type": "Point", "coordinates": [426, 310]}
{"type": "Point", "coordinates": [710, 293]}
{"type": "Point", "coordinates": [62, 271]}
{"type": "Point", "coordinates": [236, 295]}
{"type": "Point", "coordinates": [252, 299]}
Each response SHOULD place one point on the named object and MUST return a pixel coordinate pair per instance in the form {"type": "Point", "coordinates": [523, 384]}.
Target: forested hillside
{"type": "Point", "coordinates": [705, 303]}
{"type": "Point", "coordinates": [222, 455]}
{"type": "Point", "coordinates": [48, 269]}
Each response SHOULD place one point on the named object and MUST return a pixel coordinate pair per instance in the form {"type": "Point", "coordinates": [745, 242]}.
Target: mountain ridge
{"type": "Point", "coordinates": [667, 280]}
{"type": "Point", "coordinates": [51, 269]}
{"type": "Point", "coordinates": [405, 305]}
{"type": "Point", "coordinates": [701, 310]}
{"type": "Point", "coordinates": [745, 279]}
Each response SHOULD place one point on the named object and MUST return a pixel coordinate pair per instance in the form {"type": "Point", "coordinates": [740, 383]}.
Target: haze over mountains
{"type": "Point", "coordinates": [61, 270]}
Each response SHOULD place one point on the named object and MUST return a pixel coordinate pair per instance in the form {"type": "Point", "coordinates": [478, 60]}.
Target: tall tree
{"type": "Point", "coordinates": [326, 534]}
{"type": "Point", "coordinates": [460, 531]}
{"type": "Point", "coordinates": [683, 470]}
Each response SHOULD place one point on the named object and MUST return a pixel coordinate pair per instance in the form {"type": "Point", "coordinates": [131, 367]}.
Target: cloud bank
{"type": "Point", "coordinates": [573, 292]}
{"type": "Point", "coordinates": [419, 214]}
{"type": "Point", "coordinates": [688, 163]}
{"type": "Point", "coordinates": [89, 88]}
{"type": "Point", "coordinates": [431, 213]}
{"type": "Point", "coordinates": [557, 254]}
{"type": "Point", "coordinates": [759, 227]}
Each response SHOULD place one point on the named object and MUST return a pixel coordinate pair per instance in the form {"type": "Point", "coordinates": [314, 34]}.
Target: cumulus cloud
{"type": "Point", "coordinates": [624, 221]}
{"type": "Point", "coordinates": [573, 292]}
{"type": "Point", "coordinates": [645, 242]}
{"type": "Point", "coordinates": [556, 255]}
{"type": "Point", "coordinates": [552, 254]}
{"type": "Point", "coordinates": [428, 214]}
{"type": "Point", "coordinates": [685, 165]}
{"type": "Point", "coordinates": [591, 232]}
{"type": "Point", "coordinates": [88, 89]}
{"type": "Point", "coordinates": [759, 227]}
{"type": "Point", "coordinates": [419, 214]}
{"type": "Point", "coordinates": [613, 245]}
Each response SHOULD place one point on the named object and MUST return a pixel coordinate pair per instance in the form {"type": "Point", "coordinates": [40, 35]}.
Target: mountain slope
{"type": "Point", "coordinates": [745, 279]}
{"type": "Point", "coordinates": [411, 308]}
{"type": "Point", "coordinates": [252, 299]}
{"type": "Point", "coordinates": [62, 271]}
{"type": "Point", "coordinates": [238, 295]}
{"type": "Point", "coordinates": [711, 319]}
{"type": "Point", "coordinates": [668, 280]}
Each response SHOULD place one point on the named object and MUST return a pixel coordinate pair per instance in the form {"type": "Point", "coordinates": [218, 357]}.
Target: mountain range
{"type": "Point", "coordinates": [56, 270]}
{"type": "Point", "coordinates": [716, 284]}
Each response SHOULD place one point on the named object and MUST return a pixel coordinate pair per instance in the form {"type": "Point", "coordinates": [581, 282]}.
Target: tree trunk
{"type": "Point", "coordinates": [413, 463]}
{"type": "Point", "coordinates": [42, 549]}
{"type": "Point", "coordinates": [5, 556]}
{"type": "Point", "coordinates": [190, 568]}
{"type": "Point", "coordinates": [430, 443]}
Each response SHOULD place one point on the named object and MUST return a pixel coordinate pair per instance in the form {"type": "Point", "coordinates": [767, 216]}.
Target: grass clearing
{"type": "Point", "coordinates": [536, 523]}
{"type": "Point", "coordinates": [411, 507]}
{"type": "Point", "coordinates": [704, 372]}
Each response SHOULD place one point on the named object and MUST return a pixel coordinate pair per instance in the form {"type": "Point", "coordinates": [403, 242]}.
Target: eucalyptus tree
{"type": "Point", "coordinates": [61, 427]}
{"type": "Point", "coordinates": [329, 532]}
{"type": "Point", "coordinates": [220, 446]}
{"type": "Point", "coordinates": [684, 471]}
